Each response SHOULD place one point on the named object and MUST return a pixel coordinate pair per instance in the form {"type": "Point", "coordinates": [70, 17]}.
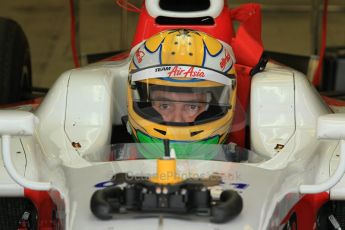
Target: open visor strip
{"type": "Point", "coordinates": [174, 71]}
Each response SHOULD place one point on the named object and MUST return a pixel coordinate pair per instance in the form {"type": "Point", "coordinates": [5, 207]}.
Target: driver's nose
{"type": "Point", "coordinates": [177, 116]}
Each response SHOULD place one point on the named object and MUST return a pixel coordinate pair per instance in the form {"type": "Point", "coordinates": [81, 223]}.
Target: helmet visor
{"type": "Point", "coordinates": [181, 95]}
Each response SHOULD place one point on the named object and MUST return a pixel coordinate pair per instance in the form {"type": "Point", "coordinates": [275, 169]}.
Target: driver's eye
{"type": "Point", "coordinates": [164, 106]}
{"type": "Point", "coordinates": [193, 107]}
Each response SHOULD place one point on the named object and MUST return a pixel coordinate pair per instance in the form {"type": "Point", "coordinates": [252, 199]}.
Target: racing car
{"type": "Point", "coordinates": [67, 164]}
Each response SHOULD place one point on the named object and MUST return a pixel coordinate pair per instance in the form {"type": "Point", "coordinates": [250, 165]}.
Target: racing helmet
{"type": "Point", "coordinates": [181, 88]}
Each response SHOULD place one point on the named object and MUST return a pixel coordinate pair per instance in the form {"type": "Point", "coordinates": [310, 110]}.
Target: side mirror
{"type": "Point", "coordinates": [17, 123]}
{"type": "Point", "coordinates": [331, 127]}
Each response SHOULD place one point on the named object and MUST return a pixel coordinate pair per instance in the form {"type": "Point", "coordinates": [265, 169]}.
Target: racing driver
{"type": "Point", "coordinates": [181, 88]}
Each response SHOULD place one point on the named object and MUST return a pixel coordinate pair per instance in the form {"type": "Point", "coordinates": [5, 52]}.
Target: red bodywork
{"type": "Point", "coordinates": [45, 208]}
{"type": "Point", "coordinates": [304, 214]}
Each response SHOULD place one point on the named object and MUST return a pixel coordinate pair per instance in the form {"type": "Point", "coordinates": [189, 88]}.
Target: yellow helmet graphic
{"type": "Point", "coordinates": [181, 88]}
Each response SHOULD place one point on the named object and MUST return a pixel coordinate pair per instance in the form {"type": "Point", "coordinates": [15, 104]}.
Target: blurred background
{"type": "Point", "coordinates": [291, 27]}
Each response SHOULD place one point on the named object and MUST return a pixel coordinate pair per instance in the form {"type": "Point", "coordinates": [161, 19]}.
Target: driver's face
{"type": "Point", "coordinates": [178, 107]}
